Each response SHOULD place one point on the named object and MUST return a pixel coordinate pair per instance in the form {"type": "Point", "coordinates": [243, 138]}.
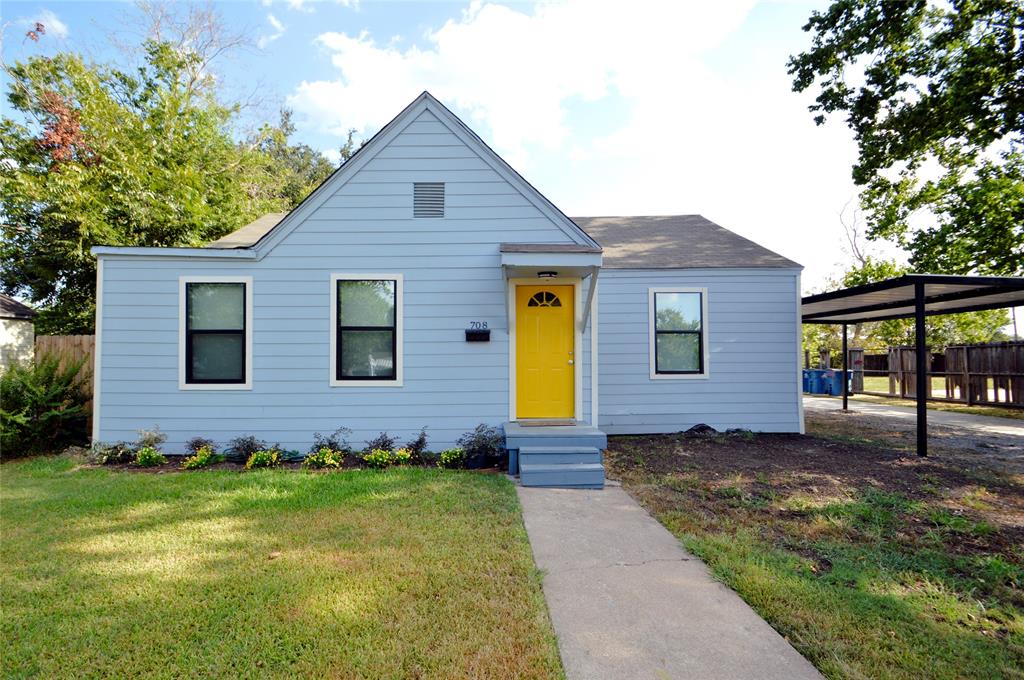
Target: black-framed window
{"type": "Point", "coordinates": [678, 333]}
{"type": "Point", "coordinates": [367, 333]}
{"type": "Point", "coordinates": [215, 333]}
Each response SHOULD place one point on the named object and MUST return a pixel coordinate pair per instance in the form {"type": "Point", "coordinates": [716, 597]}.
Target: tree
{"type": "Point", "coordinates": [938, 119]}
{"type": "Point", "coordinates": [144, 157]}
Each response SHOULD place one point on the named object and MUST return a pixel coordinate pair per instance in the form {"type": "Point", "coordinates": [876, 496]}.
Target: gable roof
{"type": "Point", "coordinates": [649, 242]}
{"type": "Point", "coordinates": [675, 242]}
{"type": "Point", "coordinates": [12, 309]}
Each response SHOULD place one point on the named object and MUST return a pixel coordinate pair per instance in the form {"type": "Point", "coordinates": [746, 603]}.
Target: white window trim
{"type": "Point", "coordinates": [703, 334]}
{"type": "Point", "coordinates": [182, 281]}
{"type": "Point", "coordinates": [399, 280]}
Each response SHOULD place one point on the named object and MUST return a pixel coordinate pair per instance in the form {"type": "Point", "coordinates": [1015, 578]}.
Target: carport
{"type": "Point", "coordinates": [912, 296]}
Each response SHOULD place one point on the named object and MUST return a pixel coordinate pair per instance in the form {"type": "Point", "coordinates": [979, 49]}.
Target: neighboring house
{"type": "Point", "coordinates": [425, 283]}
{"type": "Point", "coordinates": [17, 332]}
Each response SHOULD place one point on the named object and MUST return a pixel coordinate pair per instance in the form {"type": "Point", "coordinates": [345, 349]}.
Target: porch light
{"type": "Point", "coordinates": [547, 275]}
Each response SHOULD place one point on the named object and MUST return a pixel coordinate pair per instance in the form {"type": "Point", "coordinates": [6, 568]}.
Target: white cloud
{"type": "Point", "coordinates": [268, 38]}
{"type": "Point", "coordinates": [734, 145]}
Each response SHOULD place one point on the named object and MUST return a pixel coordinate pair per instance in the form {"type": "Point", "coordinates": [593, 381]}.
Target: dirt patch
{"type": "Point", "coordinates": [788, 476]}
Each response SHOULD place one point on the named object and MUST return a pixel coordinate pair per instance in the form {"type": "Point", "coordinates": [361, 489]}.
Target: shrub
{"type": "Point", "coordinates": [150, 439]}
{"type": "Point", "coordinates": [326, 457]}
{"type": "Point", "coordinates": [401, 456]}
{"type": "Point", "coordinates": [452, 459]}
{"type": "Point", "coordinates": [418, 446]}
{"type": "Point", "coordinates": [196, 444]}
{"type": "Point", "coordinates": [378, 458]}
{"type": "Point", "coordinates": [112, 454]}
{"type": "Point", "coordinates": [336, 441]}
{"type": "Point", "coordinates": [204, 457]}
{"type": "Point", "coordinates": [483, 445]}
{"type": "Point", "coordinates": [242, 448]}
{"type": "Point", "coordinates": [382, 442]}
{"type": "Point", "coordinates": [148, 456]}
{"type": "Point", "coordinates": [43, 406]}
{"type": "Point", "coordinates": [265, 458]}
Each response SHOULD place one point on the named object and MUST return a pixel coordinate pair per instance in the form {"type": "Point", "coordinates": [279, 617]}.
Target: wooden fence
{"type": "Point", "coordinates": [72, 348]}
{"type": "Point", "coordinates": [990, 374]}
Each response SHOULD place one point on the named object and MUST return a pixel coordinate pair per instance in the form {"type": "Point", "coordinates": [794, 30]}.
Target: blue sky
{"type": "Point", "coordinates": [608, 108]}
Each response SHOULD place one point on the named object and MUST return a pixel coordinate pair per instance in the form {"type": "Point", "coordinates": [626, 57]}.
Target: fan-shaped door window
{"type": "Point", "coordinates": [544, 298]}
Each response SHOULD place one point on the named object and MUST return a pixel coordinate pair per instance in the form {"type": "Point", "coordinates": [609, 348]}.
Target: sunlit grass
{"type": "Point", "coordinates": [399, 574]}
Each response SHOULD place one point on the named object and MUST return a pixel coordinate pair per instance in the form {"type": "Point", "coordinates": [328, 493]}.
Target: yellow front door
{"type": "Point", "coordinates": [545, 365]}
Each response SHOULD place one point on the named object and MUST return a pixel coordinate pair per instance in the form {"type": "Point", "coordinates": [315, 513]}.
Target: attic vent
{"type": "Point", "coordinates": [428, 199]}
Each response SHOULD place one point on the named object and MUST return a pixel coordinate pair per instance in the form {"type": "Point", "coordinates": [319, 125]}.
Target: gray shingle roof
{"type": "Point", "coordinates": [650, 242]}
{"type": "Point", "coordinates": [675, 242]}
{"type": "Point", "coordinates": [12, 309]}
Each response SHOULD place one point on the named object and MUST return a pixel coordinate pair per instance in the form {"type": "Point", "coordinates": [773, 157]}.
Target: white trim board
{"type": "Point", "coordinates": [399, 357]}
{"type": "Point", "coordinates": [249, 295]}
{"type": "Point", "coordinates": [97, 354]}
{"type": "Point", "coordinates": [705, 335]}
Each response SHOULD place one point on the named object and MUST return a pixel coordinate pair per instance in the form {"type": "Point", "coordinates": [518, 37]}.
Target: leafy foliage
{"type": "Point", "coordinates": [42, 408]}
{"type": "Point", "coordinates": [112, 454]}
{"type": "Point", "coordinates": [242, 448]}
{"type": "Point", "coordinates": [204, 457]}
{"type": "Point", "coordinates": [484, 440]}
{"type": "Point", "coordinates": [938, 120]}
{"type": "Point", "coordinates": [452, 459]}
{"type": "Point", "coordinates": [382, 442]}
{"type": "Point", "coordinates": [147, 456]}
{"type": "Point", "coordinates": [98, 155]}
{"type": "Point", "coordinates": [266, 458]}
{"type": "Point", "coordinates": [336, 441]}
{"type": "Point", "coordinates": [325, 457]}
{"type": "Point", "coordinates": [382, 458]}
{"type": "Point", "coordinates": [196, 444]}
{"type": "Point", "coordinates": [152, 439]}
{"type": "Point", "coordinates": [417, 446]}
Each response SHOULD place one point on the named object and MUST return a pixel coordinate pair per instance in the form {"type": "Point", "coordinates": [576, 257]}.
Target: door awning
{"type": "Point", "coordinates": [565, 259]}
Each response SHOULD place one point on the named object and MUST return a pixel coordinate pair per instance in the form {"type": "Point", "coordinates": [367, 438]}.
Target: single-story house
{"type": "Point", "coordinates": [17, 332]}
{"type": "Point", "coordinates": [427, 284]}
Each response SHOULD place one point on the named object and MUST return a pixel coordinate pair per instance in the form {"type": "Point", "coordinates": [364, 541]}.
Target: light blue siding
{"type": "Point", "coordinates": [452, 276]}
{"type": "Point", "coordinates": [753, 343]}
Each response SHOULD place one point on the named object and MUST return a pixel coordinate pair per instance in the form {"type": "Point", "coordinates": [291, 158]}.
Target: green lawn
{"type": "Point", "coordinates": [401, 574]}
{"type": "Point", "coordinates": [872, 564]}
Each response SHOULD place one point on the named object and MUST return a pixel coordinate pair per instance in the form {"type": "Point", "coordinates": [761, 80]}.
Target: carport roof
{"type": "Point", "coordinates": [894, 298]}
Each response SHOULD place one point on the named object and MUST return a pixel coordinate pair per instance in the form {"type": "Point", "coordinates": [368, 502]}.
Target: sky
{"type": "Point", "coordinates": [608, 108]}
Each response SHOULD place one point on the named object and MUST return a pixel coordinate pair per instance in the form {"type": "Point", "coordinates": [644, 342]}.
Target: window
{"type": "Point", "coordinates": [216, 333]}
{"type": "Point", "coordinates": [428, 199]}
{"type": "Point", "coordinates": [544, 299]}
{"type": "Point", "coordinates": [678, 340]}
{"type": "Point", "coordinates": [366, 342]}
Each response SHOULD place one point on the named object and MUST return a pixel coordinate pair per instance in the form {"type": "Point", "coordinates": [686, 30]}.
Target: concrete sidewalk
{"type": "Point", "coordinates": [988, 425]}
{"type": "Point", "coordinates": [627, 601]}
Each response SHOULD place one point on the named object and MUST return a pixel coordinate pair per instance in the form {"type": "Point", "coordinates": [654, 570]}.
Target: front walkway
{"type": "Point", "coordinates": [627, 601]}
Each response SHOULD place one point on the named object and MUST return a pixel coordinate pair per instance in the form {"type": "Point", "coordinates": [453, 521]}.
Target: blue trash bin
{"type": "Point", "coordinates": [815, 382]}
{"type": "Point", "coordinates": [807, 380]}
{"type": "Point", "coordinates": [834, 382]}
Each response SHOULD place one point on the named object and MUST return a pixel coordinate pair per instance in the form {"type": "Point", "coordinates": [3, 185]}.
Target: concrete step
{"type": "Point", "coordinates": [576, 475]}
{"type": "Point", "coordinates": [559, 455]}
{"type": "Point", "coordinates": [566, 437]}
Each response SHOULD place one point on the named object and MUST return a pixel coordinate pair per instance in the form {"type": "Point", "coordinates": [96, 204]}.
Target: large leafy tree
{"type": "Point", "coordinates": [94, 154]}
{"type": "Point", "coordinates": [934, 93]}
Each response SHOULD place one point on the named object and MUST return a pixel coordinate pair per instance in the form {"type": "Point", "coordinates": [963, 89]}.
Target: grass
{"type": "Point", "coordinates": [401, 574]}
{"type": "Point", "coordinates": [869, 574]}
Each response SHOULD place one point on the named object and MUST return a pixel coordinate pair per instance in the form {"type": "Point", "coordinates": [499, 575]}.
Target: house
{"type": "Point", "coordinates": [17, 332]}
{"type": "Point", "coordinates": [426, 283]}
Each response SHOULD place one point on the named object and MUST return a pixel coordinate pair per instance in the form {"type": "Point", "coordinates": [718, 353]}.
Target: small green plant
{"type": "Point", "coordinates": [379, 458]}
{"type": "Point", "coordinates": [196, 443]}
{"type": "Point", "coordinates": [148, 456]}
{"type": "Point", "coordinates": [264, 458]}
{"type": "Point", "coordinates": [336, 441]}
{"type": "Point", "coordinates": [242, 448]}
{"type": "Point", "coordinates": [418, 446]}
{"type": "Point", "coordinates": [324, 458]}
{"type": "Point", "coordinates": [483, 445]}
{"type": "Point", "coordinates": [382, 442]}
{"type": "Point", "coordinates": [452, 459]}
{"type": "Point", "coordinates": [112, 454]}
{"type": "Point", "coordinates": [204, 457]}
{"type": "Point", "coordinates": [401, 456]}
{"type": "Point", "coordinates": [150, 439]}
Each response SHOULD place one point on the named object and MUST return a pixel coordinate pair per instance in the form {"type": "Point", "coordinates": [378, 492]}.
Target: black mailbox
{"type": "Point", "coordinates": [478, 335]}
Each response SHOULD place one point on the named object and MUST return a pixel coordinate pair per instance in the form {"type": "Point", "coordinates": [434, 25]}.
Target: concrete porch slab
{"type": "Point", "coordinates": [627, 601]}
